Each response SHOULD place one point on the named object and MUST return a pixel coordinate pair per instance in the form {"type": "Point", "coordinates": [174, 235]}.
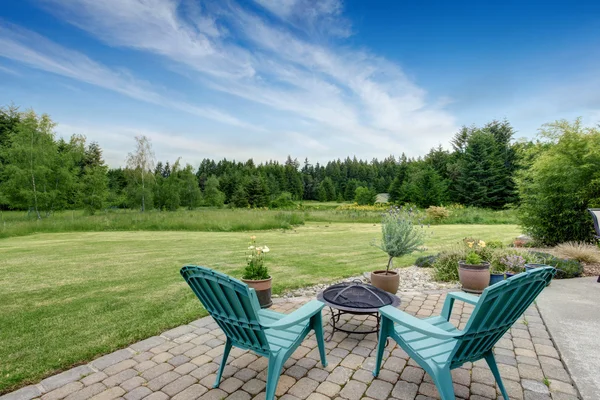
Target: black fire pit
{"type": "Point", "coordinates": [355, 298]}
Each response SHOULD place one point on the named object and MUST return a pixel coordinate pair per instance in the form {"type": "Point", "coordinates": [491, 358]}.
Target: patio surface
{"type": "Point", "coordinates": [181, 364]}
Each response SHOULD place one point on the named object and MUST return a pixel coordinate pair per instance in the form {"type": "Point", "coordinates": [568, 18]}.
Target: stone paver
{"type": "Point", "coordinates": [181, 364]}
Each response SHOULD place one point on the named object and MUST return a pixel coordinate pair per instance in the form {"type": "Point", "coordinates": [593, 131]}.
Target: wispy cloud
{"type": "Point", "coordinates": [347, 93]}
{"type": "Point", "coordinates": [9, 71]}
{"type": "Point", "coordinates": [38, 52]}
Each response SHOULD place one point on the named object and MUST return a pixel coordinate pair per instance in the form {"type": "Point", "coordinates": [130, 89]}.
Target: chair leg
{"type": "Point", "coordinates": [385, 327]}
{"type": "Point", "coordinates": [273, 373]}
{"type": "Point", "coordinates": [317, 326]}
{"type": "Point", "coordinates": [223, 362]}
{"type": "Point", "coordinates": [491, 361]}
{"type": "Point", "coordinates": [443, 382]}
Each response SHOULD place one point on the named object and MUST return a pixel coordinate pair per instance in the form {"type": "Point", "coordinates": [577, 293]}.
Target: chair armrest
{"type": "Point", "coordinates": [449, 302]}
{"type": "Point", "coordinates": [416, 324]}
{"type": "Point", "coordinates": [303, 313]}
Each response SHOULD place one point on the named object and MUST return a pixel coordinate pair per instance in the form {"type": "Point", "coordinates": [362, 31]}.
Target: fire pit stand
{"type": "Point", "coordinates": [355, 298]}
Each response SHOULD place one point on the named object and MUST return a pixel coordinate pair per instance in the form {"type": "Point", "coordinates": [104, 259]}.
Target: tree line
{"type": "Point", "coordinates": [42, 173]}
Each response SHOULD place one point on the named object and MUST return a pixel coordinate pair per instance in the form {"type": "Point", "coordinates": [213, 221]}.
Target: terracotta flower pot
{"type": "Point", "coordinates": [388, 281]}
{"type": "Point", "coordinates": [474, 278]}
{"type": "Point", "coordinates": [263, 290]}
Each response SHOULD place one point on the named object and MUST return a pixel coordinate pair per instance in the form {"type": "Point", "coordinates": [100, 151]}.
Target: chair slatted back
{"type": "Point", "coordinates": [498, 309]}
{"type": "Point", "coordinates": [232, 305]}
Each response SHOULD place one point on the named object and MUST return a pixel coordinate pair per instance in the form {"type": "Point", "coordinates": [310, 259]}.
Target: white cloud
{"type": "Point", "coordinates": [348, 94]}
{"type": "Point", "coordinates": [36, 51]}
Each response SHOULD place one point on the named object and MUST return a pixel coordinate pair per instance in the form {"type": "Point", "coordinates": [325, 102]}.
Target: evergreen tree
{"type": "Point", "coordinates": [425, 187]}
{"type": "Point", "coordinates": [240, 197]}
{"type": "Point", "coordinates": [350, 190]}
{"type": "Point", "coordinates": [94, 181]}
{"type": "Point", "coordinates": [475, 186]}
{"type": "Point", "coordinates": [257, 192]}
{"type": "Point", "coordinates": [395, 190]}
{"type": "Point", "coordinates": [327, 190]}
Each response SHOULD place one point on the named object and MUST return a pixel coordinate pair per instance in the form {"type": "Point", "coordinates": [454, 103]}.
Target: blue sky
{"type": "Point", "coordinates": [319, 79]}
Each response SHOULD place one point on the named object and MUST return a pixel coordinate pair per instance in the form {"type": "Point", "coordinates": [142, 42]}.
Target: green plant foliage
{"type": "Point", "coordinates": [365, 196]}
{"type": "Point", "coordinates": [284, 200]}
{"type": "Point", "coordinates": [255, 261]}
{"type": "Point", "coordinates": [495, 244]}
{"type": "Point", "coordinates": [473, 258]}
{"type": "Point", "coordinates": [399, 235]}
{"type": "Point", "coordinates": [424, 187]}
{"type": "Point", "coordinates": [257, 192]}
{"type": "Point", "coordinates": [327, 190]}
{"type": "Point", "coordinates": [425, 261]}
{"type": "Point", "coordinates": [562, 181]}
{"type": "Point", "coordinates": [437, 214]}
{"type": "Point", "coordinates": [446, 265]}
{"type": "Point", "coordinates": [566, 269]}
{"type": "Point", "coordinates": [213, 197]}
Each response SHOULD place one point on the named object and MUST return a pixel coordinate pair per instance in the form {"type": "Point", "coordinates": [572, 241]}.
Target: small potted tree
{"type": "Point", "coordinates": [399, 237]}
{"type": "Point", "coordinates": [256, 274]}
{"type": "Point", "coordinates": [473, 271]}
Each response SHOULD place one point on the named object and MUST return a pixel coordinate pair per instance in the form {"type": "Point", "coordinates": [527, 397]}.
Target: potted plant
{"type": "Point", "coordinates": [497, 273]}
{"type": "Point", "coordinates": [473, 271]}
{"type": "Point", "coordinates": [256, 274]}
{"type": "Point", "coordinates": [399, 237]}
{"type": "Point", "coordinates": [514, 264]}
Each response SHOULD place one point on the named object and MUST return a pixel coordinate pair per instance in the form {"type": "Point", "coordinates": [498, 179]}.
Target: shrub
{"type": "Point", "coordinates": [579, 251]}
{"type": "Point", "coordinates": [446, 265]}
{"type": "Point", "coordinates": [437, 213]}
{"type": "Point", "coordinates": [567, 268]}
{"type": "Point", "coordinates": [561, 183]}
{"type": "Point", "coordinates": [501, 260]}
{"type": "Point", "coordinates": [426, 261]}
{"type": "Point", "coordinates": [399, 236]}
{"type": "Point", "coordinates": [495, 244]}
{"type": "Point", "coordinates": [364, 196]}
{"type": "Point", "coordinates": [284, 200]}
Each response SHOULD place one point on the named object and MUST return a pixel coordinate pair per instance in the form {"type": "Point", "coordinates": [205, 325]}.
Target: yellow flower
{"type": "Point", "coordinates": [470, 244]}
{"type": "Point", "coordinates": [481, 243]}
{"type": "Point", "coordinates": [252, 237]}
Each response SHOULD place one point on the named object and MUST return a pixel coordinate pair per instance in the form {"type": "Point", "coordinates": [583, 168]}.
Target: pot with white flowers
{"type": "Point", "coordinates": [399, 236]}
{"type": "Point", "coordinates": [256, 275]}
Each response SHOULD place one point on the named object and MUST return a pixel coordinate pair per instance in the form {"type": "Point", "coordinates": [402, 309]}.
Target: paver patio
{"type": "Point", "coordinates": [181, 364]}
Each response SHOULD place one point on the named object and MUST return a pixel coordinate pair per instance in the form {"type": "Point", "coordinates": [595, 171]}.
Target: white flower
{"type": "Point", "coordinates": [251, 248]}
{"type": "Point", "coordinates": [266, 249]}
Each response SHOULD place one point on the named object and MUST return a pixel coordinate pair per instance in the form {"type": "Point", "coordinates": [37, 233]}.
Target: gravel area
{"type": "Point", "coordinates": [412, 279]}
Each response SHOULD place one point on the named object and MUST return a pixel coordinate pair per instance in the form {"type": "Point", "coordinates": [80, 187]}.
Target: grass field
{"type": "Point", "coordinates": [66, 298]}
{"type": "Point", "coordinates": [20, 223]}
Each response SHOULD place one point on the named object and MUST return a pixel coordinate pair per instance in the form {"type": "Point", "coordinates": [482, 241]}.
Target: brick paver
{"type": "Point", "coordinates": [182, 363]}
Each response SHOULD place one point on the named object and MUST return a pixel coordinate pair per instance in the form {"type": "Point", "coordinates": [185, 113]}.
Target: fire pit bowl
{"type": "Point", "coordinates": [355, 298]}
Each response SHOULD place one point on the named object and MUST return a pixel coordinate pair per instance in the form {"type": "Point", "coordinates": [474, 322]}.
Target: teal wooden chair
{"type": "Point", "coordinates": [234, 307]}
{"type": "Point", "coordinates": [438, 346]}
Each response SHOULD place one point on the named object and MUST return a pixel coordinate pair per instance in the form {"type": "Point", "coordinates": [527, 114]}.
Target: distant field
{"type": "Point", "coordinates": [19, 223]}
{"type": "Point", "coordinates": [66, 298]}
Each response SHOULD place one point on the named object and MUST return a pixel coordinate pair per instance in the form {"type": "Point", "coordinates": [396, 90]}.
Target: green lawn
{"type": "Point", "coordinates": [66, 298]}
